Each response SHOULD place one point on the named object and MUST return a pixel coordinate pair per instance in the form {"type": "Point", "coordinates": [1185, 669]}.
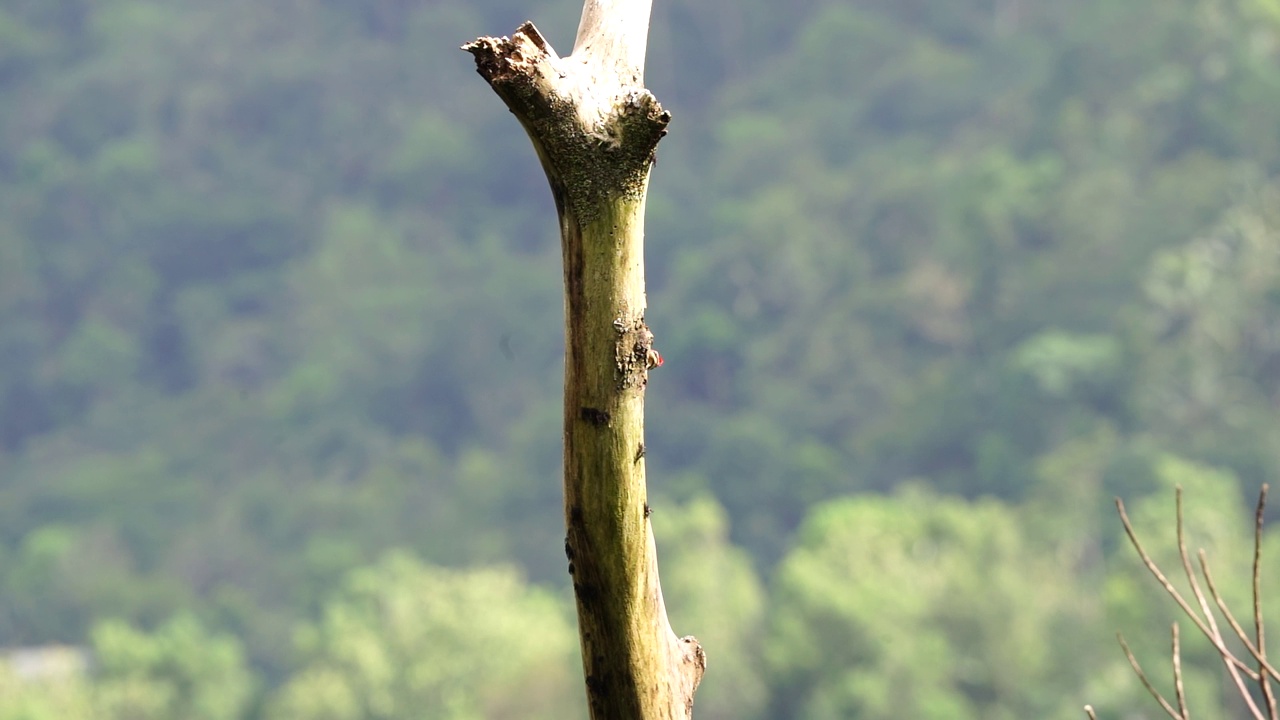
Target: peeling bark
{"type": "Point", "coordinates": [595, 130]}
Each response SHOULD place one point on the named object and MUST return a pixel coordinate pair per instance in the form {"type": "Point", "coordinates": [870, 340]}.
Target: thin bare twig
{"type": "Point", "coordinates": [1215, 639]}
{"type": "Point", "coordinates": [1155, 570]}
{"type": "Point", "coordinates": [1233, 664]}
{"type": "Point", "coordinates": [1088, 710]}
{"type": "Point", "coordinates": [1133, 662]}
{"type": "Point", "coordinates": [1177, 675]}
{"type": "Point", "coordinates": [1235, 624]}
{"type": "Point", "coordinates": [1208, 625]}
{"type": "Point", "coordinates": [1259, 626]}
{"type": "Point", "coordinates": [1256, 649]}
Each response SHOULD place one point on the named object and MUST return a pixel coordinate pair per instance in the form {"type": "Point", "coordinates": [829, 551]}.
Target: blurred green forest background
{"type": "Point", "coordinates": [280, 354]}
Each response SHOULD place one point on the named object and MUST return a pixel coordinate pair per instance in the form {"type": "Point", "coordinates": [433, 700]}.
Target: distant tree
{"type": "Point", "coordinates": [402, 640]}
{"type": "Point", "coordinates": [178, 670]}
{"type": "Point", "coordinates": [53, 696]}
{"type": "Point", "coordinates": [181, 670]}
{"type": "Point", "coordinates": [596, 129]}
{"type": "Point", "coordinates": [918, 606]}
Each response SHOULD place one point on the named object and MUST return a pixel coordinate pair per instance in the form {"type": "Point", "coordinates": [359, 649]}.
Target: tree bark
{"type": "Point", "coordinates": [596, 129]}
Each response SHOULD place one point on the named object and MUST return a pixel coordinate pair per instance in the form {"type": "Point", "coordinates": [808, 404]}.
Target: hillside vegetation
{"type": "Point", "coordinates": [281, 337]}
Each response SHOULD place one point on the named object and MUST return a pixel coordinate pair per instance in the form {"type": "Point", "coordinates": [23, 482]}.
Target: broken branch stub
{"type": "Point", "coordinates": [595, 136]}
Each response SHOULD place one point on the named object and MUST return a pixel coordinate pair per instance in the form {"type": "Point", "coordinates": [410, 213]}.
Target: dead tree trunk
{"type": "Point", "coordinates": [595, 129]}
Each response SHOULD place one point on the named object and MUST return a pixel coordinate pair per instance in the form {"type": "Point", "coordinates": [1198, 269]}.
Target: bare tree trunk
{"type": "Point", "coordinates": [595, 129]}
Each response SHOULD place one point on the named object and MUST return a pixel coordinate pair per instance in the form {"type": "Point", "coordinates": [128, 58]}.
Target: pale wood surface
{"type": "Point", "coordinates": [595, 130]}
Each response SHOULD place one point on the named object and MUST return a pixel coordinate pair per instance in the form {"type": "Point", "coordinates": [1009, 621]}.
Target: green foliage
{"type": "Point", "coordinates": [1062, 363]}
{"type": "Point", "coordinates": [405, 640]}
{"type": "Point", "coordinates": [915, 606]}
{"type": "Point", "coordinates": [1210, 309]}
{"type": "Point", "coordinates": [280, 291]}
{"type": "Point", "coordinates": [58, 696]}
{"type": "Point", "coordinates": [180, 670]}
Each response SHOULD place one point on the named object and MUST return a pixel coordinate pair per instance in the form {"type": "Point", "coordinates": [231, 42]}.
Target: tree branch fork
{"type": "Point", "coordinates": [595, 129]}
{"type": "Point", "coordinates": [1255, 670]}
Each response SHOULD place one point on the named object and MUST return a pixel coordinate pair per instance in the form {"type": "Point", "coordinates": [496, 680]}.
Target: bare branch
{"type": "Point", "coordinates": [1259, 626]}
{"type": "Point", "coordinates": [1231, 620]}
{"type": "Point", "coordinates": [1208, 626]}
{"type": "Point", "coordinates": [1177, 674]}
{"type": "Point", "coordinates": [1232, 663]}
{"type": "Point", "coordinates": [1155, 570]}
{"type": "Point", "coordinates": [1133, 662]}
{"type": "Point", "coordinates": [1214, 634]}
{"type": "Point", "coordinates": [1088, 710]}
{"type": "Point", "coordinates": [1214, 637]}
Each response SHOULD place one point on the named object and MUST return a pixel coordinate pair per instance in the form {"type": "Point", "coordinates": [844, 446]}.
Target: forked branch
{"type": "Point", "coordinates": [595, 130]}
{"type": "Point", "coordinates": [1203, 617]}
